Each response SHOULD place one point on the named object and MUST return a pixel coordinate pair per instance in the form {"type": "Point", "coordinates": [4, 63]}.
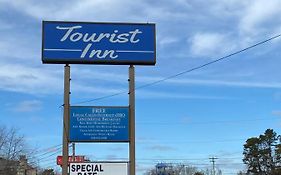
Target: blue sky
{"type": "Point", "coordinates": [187, 119]}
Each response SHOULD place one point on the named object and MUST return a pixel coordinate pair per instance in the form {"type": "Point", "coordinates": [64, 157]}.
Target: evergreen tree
{"type": "Point", "coordinates": [262, 154]}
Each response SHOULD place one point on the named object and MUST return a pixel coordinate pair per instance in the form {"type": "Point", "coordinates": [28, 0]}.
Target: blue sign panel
{"type": "Point", "coordinates": [98, 43]}
{"type": "Point", "coordinates": [99, 124]}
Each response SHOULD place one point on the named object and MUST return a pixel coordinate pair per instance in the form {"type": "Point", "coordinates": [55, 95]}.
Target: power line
{"type": "Point", "coordinates": [190, 142]}
{"type": "Point", "coordinates": [48, 155]}
{"type": "Point", "coordinates": [183, 159]}
{"type": "Point", "coordinates": [48, 150]}
{"type": "Point", "coordinates": [57, 151]}
{"type": "Point", "coordinates": [172, 159]}
{"type": "Point", "coordinates": [101, 98]}
{"type": "Point", "coordinates": [184, 72]}
{"type": "Point", "coordinates": [43, 163]}
{"type": "Point", "coordinates": [51, 155]}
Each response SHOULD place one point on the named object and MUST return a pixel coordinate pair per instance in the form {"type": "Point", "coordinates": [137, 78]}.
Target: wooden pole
{"type": "Point", "coordinates": [132, 156]}
{"type": "Point", "coordinates": [65, 150]}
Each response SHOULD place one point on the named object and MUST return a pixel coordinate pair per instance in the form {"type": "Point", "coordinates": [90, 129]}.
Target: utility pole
{"type": "Point", "coordinates": [65, 150]}
{"type": "Point", "coordinates": [132, 152]}
{"type": "Point", "coordinates": [213, 160]}
{"type": "Point", "coordinates": [73, 151]}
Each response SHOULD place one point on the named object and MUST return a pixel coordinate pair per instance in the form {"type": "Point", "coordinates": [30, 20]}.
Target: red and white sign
{"type": "Point", "coordinates": [70, 159]}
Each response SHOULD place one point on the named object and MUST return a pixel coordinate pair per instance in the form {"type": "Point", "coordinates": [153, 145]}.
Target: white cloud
{"type": "Point", "coordinates": [42, 81]}
{"type": "Point", "coordinates": [97, 10]}
{"type": "Point", "coordinates": [39, 80]}
{"type": "Point", "coordinates": [207, 43]}
{"type": "Point", "coordinates": [5, 25]}
{"type": "Point", "coordinates": [276, 113]}
{"type": "Point", "coordinates": [28, 106]}
{"type": "Point", "coordinates": [111, 157]}
{"type": "Point", "coordinates": [227, 8]}
{"type": "Point", "coordinates": [163, 41]}
{"type": "Point", "coordinates": [26, 6]}
{"type": "Point", "coordinates": [19, 78]}
{"type": "Point", "coordinates": [18, 49]}
{"type": "Point", "coordinates": [237, 24]}
{"type": "Point", "coordinates": [104, 75]}
{"type": "Point", "coordinates": [65, 10]}
{"type": "Point", "coordinates": [233, 83]}
{"type": "Point", "coordinates": [210, 44]}
{"type": "Point", "coordinates": [243, 80]}
{"type": "Point", "coordinates": [259, 16]}
{"type": "Point", "coordinates": [117, 149]}
{"type": "Point", "coordinates": [161, 148]}
{"type": "Point", "coordinates": [44, 138]}
{"type": "Point", "coordinates": [178, 95]}
{"type": "Point", "coordinates": [95, 89]}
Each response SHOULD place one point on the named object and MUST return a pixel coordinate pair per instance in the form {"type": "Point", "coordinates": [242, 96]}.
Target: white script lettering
{"type": "Point", "coordinates": [69, 30]}
{"type": "Point", "coordinates": [114, 37]}
{"type": "Point", "coordinates": [74, 34]}
{"type": "Point", "coordinates": [98, 53]}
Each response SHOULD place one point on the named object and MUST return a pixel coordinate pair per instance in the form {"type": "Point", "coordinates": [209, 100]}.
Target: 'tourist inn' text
{"type": "Point", "coordinates": [73, 34]}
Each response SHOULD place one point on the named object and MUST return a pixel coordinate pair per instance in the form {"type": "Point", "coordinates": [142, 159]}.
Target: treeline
{"type": "Point", "coordinates": [15, 153]}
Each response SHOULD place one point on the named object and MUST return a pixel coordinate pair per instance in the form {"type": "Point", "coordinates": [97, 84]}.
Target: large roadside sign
{"type": "Point", "coordinates": [98, 43]}
{"type": "Point", "coordinates": [99, 124]}
{"type": "Point", "coordinates": [99, 168]}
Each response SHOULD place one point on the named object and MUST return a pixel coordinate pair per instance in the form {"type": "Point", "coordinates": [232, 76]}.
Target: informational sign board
{"type": "Point", "coordinates": [99, 124]}
{"type": "Point", "coordinates": [70, 159]}
{"type": "Point", "coordinates": [99, 168]}
{"type": "Point", "coordinates": [98, 43]}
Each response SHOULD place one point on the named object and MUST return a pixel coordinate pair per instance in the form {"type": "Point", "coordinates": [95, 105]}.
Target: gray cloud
{"type": "Point", "coordinates": [161, 148]}
{"type": "Point", "coordinates": [28, 106]}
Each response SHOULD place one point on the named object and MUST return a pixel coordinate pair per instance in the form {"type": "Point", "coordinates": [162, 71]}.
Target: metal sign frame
{"type": "Point", "coordinates": [65, 151]}
{"type": "Point", "coordinates": [131, 60]}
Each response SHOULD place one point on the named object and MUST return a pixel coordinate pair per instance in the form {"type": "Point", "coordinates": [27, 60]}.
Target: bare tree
{"type": "Point", "coordinates": [170, 169]}
{"type": "Point", "coordinates": [12, 146]}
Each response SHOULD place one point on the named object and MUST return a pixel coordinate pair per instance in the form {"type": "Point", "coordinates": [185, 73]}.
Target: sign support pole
{"type": "Point", "coordinates": [132, 146]}
{"type": "Point", "coordinates": [73, 151]}
{"type": "Point", "coordinates": [65, 151]}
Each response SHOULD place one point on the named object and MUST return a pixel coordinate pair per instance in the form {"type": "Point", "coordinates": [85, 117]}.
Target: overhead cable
{"type": "Point", "coordinates": [185, 71]}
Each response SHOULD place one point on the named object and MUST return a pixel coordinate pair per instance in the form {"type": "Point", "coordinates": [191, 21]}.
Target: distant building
{"type": "Point", "coordinates": [24, 168]}
{"type": "Point", "coordinates": [8, 167]}
{"type": "Point", "coordinates": [164, 169]}
{"type": "Point", "coordinates": [12, 167]}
